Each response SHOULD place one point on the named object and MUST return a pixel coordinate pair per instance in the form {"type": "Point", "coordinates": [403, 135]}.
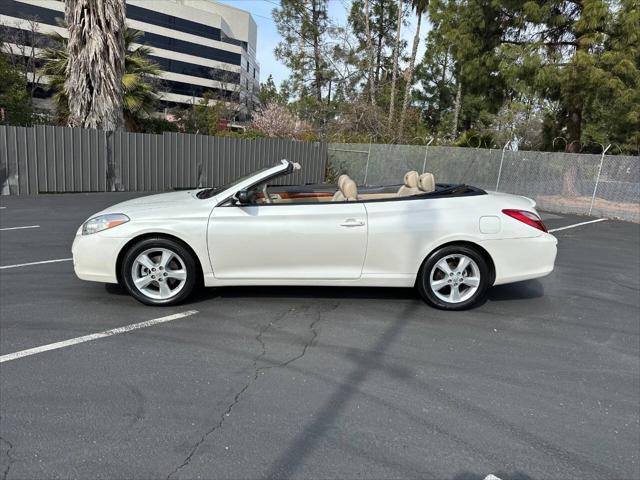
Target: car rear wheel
{"type": "Point", "coordinates": [159, 271]}
{"type": "Point", "coordinates": [455, 277]}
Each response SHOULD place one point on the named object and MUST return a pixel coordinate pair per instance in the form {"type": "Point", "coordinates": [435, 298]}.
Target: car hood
{"type": "Point", "coordinates": [154, 202]}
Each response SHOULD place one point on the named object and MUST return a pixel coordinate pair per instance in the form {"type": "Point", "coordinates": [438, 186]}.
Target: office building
{"type": "Point", "coordinates": [200, 45]}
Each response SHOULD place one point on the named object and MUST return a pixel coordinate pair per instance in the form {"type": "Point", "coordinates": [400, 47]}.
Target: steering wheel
{"type": "Point", "coordinates": [265, 194]}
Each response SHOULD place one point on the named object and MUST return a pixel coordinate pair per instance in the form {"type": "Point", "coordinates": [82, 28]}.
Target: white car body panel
{"type": "Point", "coordinates": [288, 241]}
{"type": "Point", "coordinates": [366, 243]}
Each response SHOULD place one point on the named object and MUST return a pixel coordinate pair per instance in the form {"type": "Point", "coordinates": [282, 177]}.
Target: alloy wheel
{"type": "Point", "coordinates": [454, 278]}
{"type": "Point", "coordinates": [159, 273]}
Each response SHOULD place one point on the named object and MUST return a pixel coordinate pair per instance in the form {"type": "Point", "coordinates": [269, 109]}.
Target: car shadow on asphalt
{"type": "Point", "coordinates": [499, 475]}
{"type": "Point", "coordinates": [515, 291]}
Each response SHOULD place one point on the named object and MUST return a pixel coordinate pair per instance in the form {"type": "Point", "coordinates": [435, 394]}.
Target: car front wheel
{"type": "Point", "coordinates": [159, 271]}
{"type": "Point", "coordinates": [454, 278]}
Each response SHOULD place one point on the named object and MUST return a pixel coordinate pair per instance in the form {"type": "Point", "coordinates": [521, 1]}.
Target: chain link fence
{"type": "Point", "coordinates": [586, 184]}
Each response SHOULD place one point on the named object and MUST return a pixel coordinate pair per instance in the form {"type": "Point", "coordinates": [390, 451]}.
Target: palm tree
{"type": "Point", "coordinates": [420, 7]}
{"type": "Point", "coordinates": [396, 54]}
{"type": "Point", "coordinates": [95, 63]}
{"type": "Point", "coordinates": [137, 81]}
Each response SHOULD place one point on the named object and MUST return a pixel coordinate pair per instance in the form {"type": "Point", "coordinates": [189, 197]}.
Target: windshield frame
{"type": "Point", "coordinates": [261, 175]}
{"type": "Point", "coordinates": [210, 192]}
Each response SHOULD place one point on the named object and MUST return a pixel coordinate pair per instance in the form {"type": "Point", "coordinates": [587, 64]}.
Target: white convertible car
{"type": "Point", "coordinates": [452, 242]}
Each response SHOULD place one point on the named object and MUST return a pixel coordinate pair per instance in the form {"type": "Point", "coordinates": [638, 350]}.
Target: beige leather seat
{"type": "Point", "coordinates": [339, 196]}
{"type": "Point", "coordinates": [410, 187]}
{"type": "Point", "coordinates": [427, 182]}
{"type": "Point", "coordinates": [349, 190]}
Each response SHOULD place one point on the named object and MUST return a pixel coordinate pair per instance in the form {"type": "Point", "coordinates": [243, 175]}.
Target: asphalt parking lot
{"type": "Point", "coordinates": [540, 382]}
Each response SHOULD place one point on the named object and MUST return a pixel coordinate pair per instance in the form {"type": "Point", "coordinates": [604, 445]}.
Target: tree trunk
{"type": "Point", "coordinates": [370, 53]}
{"type": "Point", "coordinates": [379, 46]}
{"type": "Point", "coordinates": [316, 50]}
{"type": "Point", "coordinates": [396, 54]}
{"type": "Point", "coordinates": [443, 79]}
{"type": "Point", "coordinates": [456, 110]}
{"type": "Point", "coordinates": [574, 132]}
{"type": "Point", "coordinates": [96, 63]}
{"type": "Point", "coordinates": [407, 88]}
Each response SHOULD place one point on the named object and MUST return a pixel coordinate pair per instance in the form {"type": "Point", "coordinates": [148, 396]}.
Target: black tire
{"type": "Point", "coordinates": [423, 282]}
{"type": "Point", "coordinates": [190, 265]}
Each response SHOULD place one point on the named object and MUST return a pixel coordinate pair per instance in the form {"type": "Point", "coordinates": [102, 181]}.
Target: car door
{"type": "Point", "coordinates": [288, 241]}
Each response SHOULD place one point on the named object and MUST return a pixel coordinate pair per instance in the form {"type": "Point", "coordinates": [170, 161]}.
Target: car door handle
{"type": "Point", "coordinates": [352, 222]}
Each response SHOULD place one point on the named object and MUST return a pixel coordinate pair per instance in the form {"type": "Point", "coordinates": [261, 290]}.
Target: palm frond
{"type": "Point", "coordinates": [139, 92]}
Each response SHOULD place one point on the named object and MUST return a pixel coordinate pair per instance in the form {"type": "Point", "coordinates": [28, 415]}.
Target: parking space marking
{"type": "Point", "coordinates": [2, 208]}
{"type": "Point", "coordinates": [19, 228]}
{"type": "Point", "coordinates": [577, 225]}
{"type": "Point", "coordinates": [94, 336]}
{"type": "Point", "coordinates": [36, 263]}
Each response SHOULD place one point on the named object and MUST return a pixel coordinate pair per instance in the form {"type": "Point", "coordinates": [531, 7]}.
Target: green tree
{"type": "Point", "coordinates": [15, 100]}
{"type": "Point", "coordinates": [138, 80]}
{"type": "Point", "coordinates": [304, 25]}
{"type": "Point", "coordinates": [269, 93]}
{"type": "Point", "coordinates": [207, 117]}
{"type": "Point", "coordinates": [382, 29]}
{"type": "Point", "coordinates": [438, 84]}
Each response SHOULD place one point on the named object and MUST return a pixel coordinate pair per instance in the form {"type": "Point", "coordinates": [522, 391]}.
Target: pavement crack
{"type": "Point", "coordinates": [5, 474]}
{"type": "Point", "coordinates": [305, 347]}
{"type": "Point", "coordinates": [256, 373]}
{"type": "Point", "coordinates": [237, 396]}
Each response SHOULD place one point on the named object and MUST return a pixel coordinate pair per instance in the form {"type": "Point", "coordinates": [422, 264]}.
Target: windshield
{"type": "Point", "coordinates": [212, 191]}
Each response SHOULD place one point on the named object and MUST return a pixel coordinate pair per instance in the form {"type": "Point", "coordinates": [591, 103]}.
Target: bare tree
{"type": "Point", "coordinates": [420, 6]}
{"type": "Point", "coordinates": [96, 63]}
{"type": "Point", "coordinates": [277, 121]}
{"type": "Point", "coordinates": [396, 54]}
{"type": "Point", "coordinates": [370, 53]}
{"type": "Point", "coordinates": [21, 46]}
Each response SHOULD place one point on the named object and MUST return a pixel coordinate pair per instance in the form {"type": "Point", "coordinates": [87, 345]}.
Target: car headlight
{"type": "Point", "coordinates": [103, 222]}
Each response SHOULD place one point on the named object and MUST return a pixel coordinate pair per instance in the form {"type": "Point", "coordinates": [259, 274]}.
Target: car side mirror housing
{"type": "Point", "coordinates": [244, 197]}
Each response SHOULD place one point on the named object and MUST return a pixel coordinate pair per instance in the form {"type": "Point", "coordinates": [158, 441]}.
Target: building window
{"type": "Point", "coordinates": [184, 68]}
{"type": "Point", "coordinates": [180, 24]}
{"type": "Point", "coordinates": [167, 43]}
{"type": "Point", "coordinates": [191, 90]}
{"type": "Point", "coordinates": [25, 10]}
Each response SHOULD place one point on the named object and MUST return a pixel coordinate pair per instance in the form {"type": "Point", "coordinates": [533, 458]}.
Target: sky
{"type": "Point", "coordinates": [268, 36]}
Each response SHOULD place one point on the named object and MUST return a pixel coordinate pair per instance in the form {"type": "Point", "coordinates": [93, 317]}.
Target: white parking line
{"type": "Point", "coordinates": [36, 263]}
{"type": "Point", "coordinates": [2, 208]}
{"type": "Point", "coordinates": [19, 228]}
{"type": "Point", "coordinates": [577, 225]}
{"type": "Point", "coordinates": [94, 336]}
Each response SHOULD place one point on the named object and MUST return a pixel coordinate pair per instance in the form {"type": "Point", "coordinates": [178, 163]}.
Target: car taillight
{"type": "Point", "coordinates": [529, 218]}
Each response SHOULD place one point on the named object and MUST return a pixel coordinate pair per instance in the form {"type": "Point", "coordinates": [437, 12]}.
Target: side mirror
{"type": "Point", "coordinates": [244, 197]}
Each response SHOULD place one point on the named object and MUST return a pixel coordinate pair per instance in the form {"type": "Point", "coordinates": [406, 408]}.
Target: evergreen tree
{"type": "Point", "coordinates": [269, 93]}
{"type": "Point", "coordinates": [15, 101]}
{"type": "Point", "coordinates": [303, 25]}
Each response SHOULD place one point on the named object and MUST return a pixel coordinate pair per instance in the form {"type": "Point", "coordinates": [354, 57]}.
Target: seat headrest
{"type": "Point", "coordinates": [411, 179]}
{"type": "Point", "coordinates": [427, 182]}
{"type": "Point", "coordinates": [342, 178]}
{"type": "Point", "coordinates": [349, 189]}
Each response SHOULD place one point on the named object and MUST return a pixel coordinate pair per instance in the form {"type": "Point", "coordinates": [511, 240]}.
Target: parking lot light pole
{"type": "Point", "coordinates": [366, 168]}
{"type": "Point", "coordinates": [426, 152]}
{"type": "Point", "coordinates": [595, 187]}
{"type": "Point", "coordinates": [501, 162]}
